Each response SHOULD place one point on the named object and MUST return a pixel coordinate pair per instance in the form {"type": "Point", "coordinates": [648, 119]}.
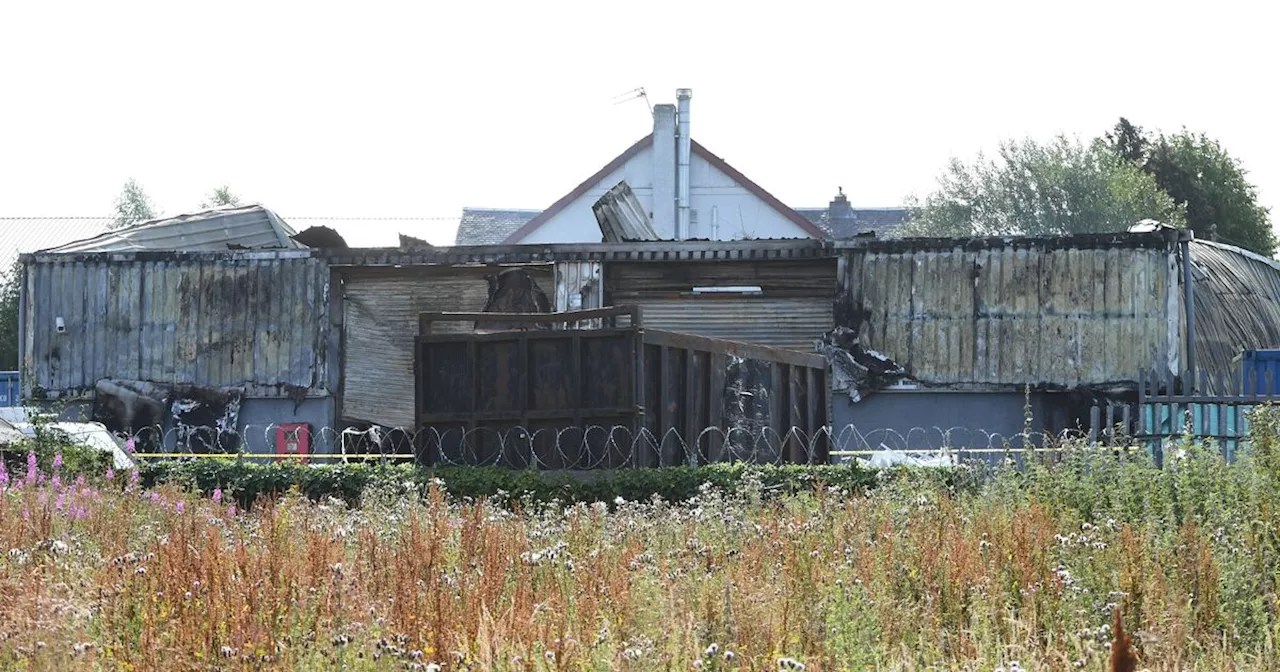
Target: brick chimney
{"type": "Point", "coordinates": [840, 215]}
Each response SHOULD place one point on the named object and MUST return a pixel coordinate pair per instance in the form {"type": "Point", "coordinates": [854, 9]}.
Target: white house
{"type": "Point", "coordinates": [689, 193]}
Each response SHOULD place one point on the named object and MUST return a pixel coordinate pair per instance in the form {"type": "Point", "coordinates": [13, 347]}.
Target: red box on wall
{"type": "Point", "coordinates": [293, 439]}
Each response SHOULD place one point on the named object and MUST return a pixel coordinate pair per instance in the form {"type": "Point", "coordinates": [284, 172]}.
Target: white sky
{"type": "Point", "coordinates": [417, 109]}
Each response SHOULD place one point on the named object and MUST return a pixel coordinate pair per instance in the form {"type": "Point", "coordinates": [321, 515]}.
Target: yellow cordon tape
{"type": "Point", "coordinates": [238, 456]}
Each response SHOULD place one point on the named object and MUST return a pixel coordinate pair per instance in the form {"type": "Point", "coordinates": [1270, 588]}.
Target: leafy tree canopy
{"type": "Point", "coordinates": [1032, 188]}
{"type": "Point", "coordinates": [133, 206]}
{"type": "Point", "coordinates": [1182, 179]}
{"type": "Point", "coordinates": [1198, 173]}
{"type": "Point", "coordinates": [220, 197]}
{"type": "Point", "coordinates": [9, 295]}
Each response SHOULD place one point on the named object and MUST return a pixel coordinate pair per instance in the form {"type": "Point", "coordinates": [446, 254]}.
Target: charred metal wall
{"type": "Point", "coordinates": [1013, 312]}
{"type": "Point", "coordinates": [254, 321]}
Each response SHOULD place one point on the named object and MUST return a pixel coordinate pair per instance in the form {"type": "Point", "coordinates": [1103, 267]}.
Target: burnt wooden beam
{"type": "Point", "coordinates": [426, 319]}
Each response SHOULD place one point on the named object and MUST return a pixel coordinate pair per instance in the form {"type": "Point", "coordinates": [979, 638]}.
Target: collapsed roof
{"type": "Point", "coordinates": [232, 227]}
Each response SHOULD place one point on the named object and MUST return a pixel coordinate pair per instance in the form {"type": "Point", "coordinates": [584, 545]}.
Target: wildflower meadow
{"type": "Point", "coordinates": [986, 569]}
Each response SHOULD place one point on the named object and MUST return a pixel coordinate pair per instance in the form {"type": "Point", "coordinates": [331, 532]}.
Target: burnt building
{"type": "Point", "coordinates": [920, 334]}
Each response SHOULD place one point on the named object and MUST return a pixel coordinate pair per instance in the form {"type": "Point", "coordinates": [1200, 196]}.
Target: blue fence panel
{"type": "Point", "coordinates": [1261, 372]}
{"type": "Point", "coordinates": [10, 392]}
{"type": "Point", "coordinates": [1164, 423]}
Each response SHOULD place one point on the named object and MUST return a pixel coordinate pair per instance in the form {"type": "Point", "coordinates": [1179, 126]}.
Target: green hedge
{"type": "Point", "coordinates": [77, 459]}
{"type": "Point", "coordinates": [247, 481]}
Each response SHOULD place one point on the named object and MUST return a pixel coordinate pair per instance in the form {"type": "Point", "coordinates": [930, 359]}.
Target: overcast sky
{"type": "Point", "coordinates": [417, 109]}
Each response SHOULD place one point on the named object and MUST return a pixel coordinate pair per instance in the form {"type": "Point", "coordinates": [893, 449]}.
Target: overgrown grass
{"type": "Point", "coordinates": [911, 570]}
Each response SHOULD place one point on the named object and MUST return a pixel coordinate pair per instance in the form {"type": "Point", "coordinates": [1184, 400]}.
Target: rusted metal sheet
{"type": "Point", "coordinates": [621, 216]}
{"type": "Point", "coordinates": [259, 325]}
{"type": "Point", "coordinates": [381, 308]}
{"type": "Point", "coordinates": [1017, 314]}
{"type": "Point", "coordinates": [612, 397]}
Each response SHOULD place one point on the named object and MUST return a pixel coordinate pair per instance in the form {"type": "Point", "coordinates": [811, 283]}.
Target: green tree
{"type": "Point", "coordinates": [133, 206]}
{"type": "Point", "coordinates": [10, 289]}
{"type": "Point", "coordinates": [1221, 204]}
{"type": "Point", "coordinates": [1128, 142]}
{"type": "Point", "coordinates": [1204, 179]}
{"type": "Point", "coordinates": [1031, 188]}
{"type": "Point", "coordinates": [220, 197]}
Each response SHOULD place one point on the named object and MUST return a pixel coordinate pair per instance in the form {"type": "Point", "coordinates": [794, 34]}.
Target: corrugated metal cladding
{"type": "Point", "coordinates": [579, 286]}
{"type": "Point", "coordinates": [794, 323]}
{"type": "Point", "coordinates": [1019, 314]}
{"type": "Point", "coordinates": [1237, 304]}
{"type": "Point", "coordinates": [257, 324]}
{"type": "Point", "coordinates": [793, 309]}
{"type": "Point", "coordinates": [380, 316]}
{"type": "Point", "coordinates": [250, 226]}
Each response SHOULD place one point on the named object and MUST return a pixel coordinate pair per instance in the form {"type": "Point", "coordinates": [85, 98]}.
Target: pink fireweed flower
{"type": "Point", "coordinates": [217, 495]}
{"type": "Point", "coordinates": [80, 481]}
{"type": "Point", "coordinates": [231, 510]}
{"type": "Point", "coordinates": [179, 506]}
{"type": "Point", "coordinates": [57, 461]}
{"type": "Point", "coordinates": [56, 482]}
{"type": "Point", "coordinates": [133, 481]}
{"type": "Point", "coordinates": [111, 474]}
{"type": "Point", "coordinates": [155, 498]}
{"type": "Point", "coordinates": [33, 470]}
{"type": "Point", "coordinates": [128, 446]}
{"type": "Point", "coordinates": [4, 475]}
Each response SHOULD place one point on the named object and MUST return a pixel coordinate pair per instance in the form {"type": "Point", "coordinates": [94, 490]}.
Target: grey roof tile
{"type": "Point", "coordinates": [883, 221]}
{"type": "Point", "coordinates": [490, 226]}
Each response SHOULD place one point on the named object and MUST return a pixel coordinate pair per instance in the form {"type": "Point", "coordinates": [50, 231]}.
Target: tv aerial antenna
{"type": "Point", "coordinates": [631, 95]}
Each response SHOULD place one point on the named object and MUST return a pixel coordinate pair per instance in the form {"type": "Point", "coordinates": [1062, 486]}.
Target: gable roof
{"type": "Point", "coordinates": [490, 226]}
{"type": "Point", "coordinates": [865, 220]}
{"type": "Point", "coordinates": [564, 201]}
{"type": "Point", "coordinates": [804, 224]}
{"type": "Point", "coordinates": [251, 226]}
{"type": "Point", "coordinates": [697, 149]}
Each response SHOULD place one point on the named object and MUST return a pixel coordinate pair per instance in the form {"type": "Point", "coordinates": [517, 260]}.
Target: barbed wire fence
{"type": "Point", "coordinates": [593, 447]}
